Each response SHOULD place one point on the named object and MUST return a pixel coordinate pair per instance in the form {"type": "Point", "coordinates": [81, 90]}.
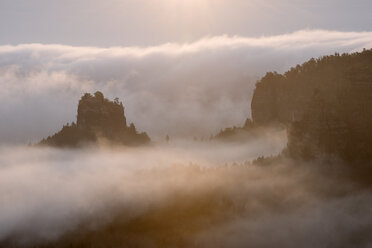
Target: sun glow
{"type": "Point", "coordinates": [183, 6]}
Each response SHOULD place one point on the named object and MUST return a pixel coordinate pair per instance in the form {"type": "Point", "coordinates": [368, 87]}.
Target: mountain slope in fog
{"type": "Point", "coordinates": [98, 118]}
{"type": "Point", "coordinates": [326, 101]}
{"type": "Point", "coordinates": [119, 197]}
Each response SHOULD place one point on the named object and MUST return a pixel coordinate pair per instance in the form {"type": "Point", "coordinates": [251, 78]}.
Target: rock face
{"type": "Point", "coordinates": [326, 103]}
{"type": "Point", "coordinates": [100, 115]}
{"type": "Point", "coordinates": [277, 101]}
{"type": "Point", "coordinates": [98, 118]}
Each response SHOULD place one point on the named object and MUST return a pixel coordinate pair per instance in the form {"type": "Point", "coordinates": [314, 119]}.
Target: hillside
{"type": "Point", "coordinates": [326, 103]}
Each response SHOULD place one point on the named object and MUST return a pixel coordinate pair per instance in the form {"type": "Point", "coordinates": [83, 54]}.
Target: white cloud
{"type": "Point", "coordinates": [181, 89]}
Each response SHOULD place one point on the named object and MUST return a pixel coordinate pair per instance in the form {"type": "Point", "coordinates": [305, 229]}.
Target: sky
{"type": "Point", "coordinates": [153, 22]}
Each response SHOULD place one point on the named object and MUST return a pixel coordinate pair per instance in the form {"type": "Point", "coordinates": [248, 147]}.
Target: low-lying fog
{"type": "Point", "coordinates": [45, 191]}
{"type": "Point", "coordinates": [175, 192]}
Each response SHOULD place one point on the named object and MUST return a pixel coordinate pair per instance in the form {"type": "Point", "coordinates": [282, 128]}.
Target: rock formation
{"type": "Point", "coordinates": [326, 103]}
{"type": "Point", "coordinates": [98, 118]}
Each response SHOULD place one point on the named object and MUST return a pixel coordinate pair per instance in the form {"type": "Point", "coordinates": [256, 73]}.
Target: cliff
{"type": "Point", "coordinates": [98, 118]}
{"type": "Point", "coordinates": [101, 116]}
{"type": "Point", "coordinates": [326, 104]}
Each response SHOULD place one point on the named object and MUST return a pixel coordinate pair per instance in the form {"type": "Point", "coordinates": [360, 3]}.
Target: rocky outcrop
{"type": "Point", "coordinates": [98, 118]}
{"type": "Point", "coordinates": [326, 104]}
{"type": "Point", "coordinates": [277, 101]}
{"type": "Point", "coordinates": [101, 116]}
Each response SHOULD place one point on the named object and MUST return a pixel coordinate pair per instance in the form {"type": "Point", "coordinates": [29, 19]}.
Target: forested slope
{"type": "Point", "coordinates": [326, 103]}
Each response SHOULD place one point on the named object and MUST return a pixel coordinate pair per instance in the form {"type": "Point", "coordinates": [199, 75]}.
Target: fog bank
{"type": "Point", "coordinates": [45, 191]}
{"type": "Point", "coordinates": [181, 193]}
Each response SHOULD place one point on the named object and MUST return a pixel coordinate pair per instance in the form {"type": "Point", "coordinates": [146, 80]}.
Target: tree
{"type": "Point", "coordinates": [99, 95]}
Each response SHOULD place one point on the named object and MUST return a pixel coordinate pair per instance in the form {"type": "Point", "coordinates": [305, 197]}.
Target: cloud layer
{"type": "Point", "coordinates": [191, 89]}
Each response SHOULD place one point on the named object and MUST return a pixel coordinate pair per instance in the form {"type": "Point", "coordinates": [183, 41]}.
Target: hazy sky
{"type": "Point", "coordinates": [152, 22]}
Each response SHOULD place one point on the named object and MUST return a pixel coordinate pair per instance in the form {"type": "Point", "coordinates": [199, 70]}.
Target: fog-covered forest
{"type": "Point", "coordinates": [293, 170]}
{"type": "Point", "coordinates": [185, 123]}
